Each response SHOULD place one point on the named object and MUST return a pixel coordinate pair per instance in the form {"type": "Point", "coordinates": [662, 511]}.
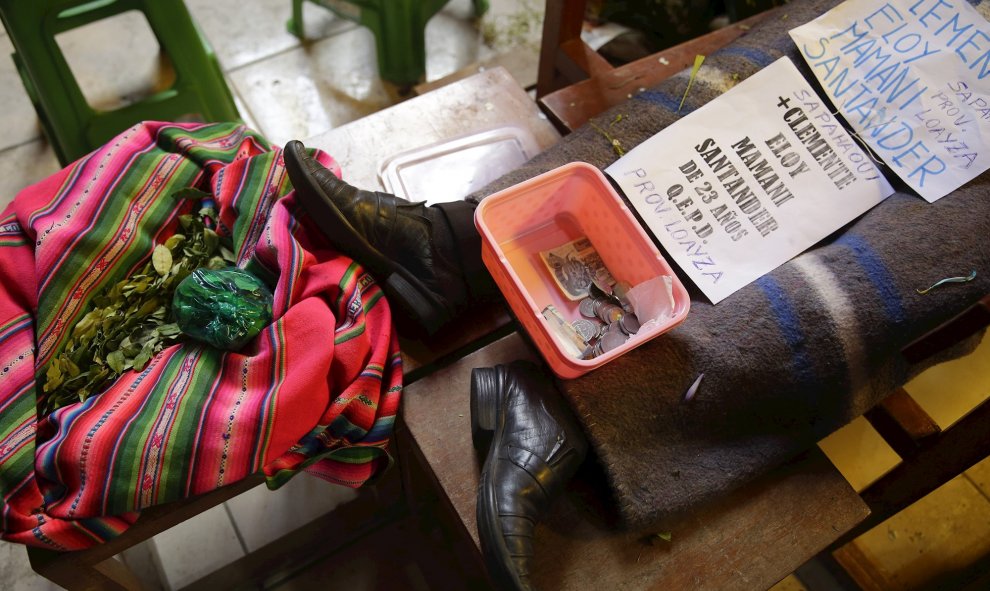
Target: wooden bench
{"type": "Point", "coordinates": [796, 511]}
{"type": "Point", "coordinates": [575, 83]}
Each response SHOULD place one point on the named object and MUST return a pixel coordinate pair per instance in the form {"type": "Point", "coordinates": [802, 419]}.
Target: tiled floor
{"type": "Point", "coordinates": [290, 89]}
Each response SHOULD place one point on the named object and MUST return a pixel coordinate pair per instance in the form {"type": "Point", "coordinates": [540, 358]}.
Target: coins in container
{"type": "Point", "coordinates": [629, 323]}
{"type": "Point", "coordinates": [586, 328]}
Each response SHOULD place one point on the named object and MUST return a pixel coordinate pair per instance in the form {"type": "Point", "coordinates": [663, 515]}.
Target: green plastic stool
{"type": "Point", "coordinates": [72, 126]}
{"type": "Point", "coordinates": [399, 29]}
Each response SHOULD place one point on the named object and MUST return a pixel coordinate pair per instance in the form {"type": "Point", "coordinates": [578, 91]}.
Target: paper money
{"type": "Point", "coordinates": [574, 266]}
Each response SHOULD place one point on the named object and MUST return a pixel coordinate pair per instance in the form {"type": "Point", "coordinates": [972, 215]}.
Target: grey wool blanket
{"type": "Point", "coordinates": [787, 359]}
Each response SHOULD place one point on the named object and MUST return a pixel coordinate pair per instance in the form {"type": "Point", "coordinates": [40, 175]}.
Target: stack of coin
{"type": "Point", "coordinates": [607, 322]}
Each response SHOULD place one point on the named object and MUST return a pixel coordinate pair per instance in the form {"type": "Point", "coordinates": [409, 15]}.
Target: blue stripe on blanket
{"type": "Point", "coordinates": [757, 56]}
{"type": "Point", "coordinates": [878, 274]}
{"type": "Point", "coordinates": [664, 101]}
{"type": "Point", "coordinates": [790, 328]}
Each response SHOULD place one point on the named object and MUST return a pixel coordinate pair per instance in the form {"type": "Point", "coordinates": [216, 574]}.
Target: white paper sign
{"type": "Point", "coordinates": [749, 180]}
{"type": "Point", "coordinates": [912, 77]}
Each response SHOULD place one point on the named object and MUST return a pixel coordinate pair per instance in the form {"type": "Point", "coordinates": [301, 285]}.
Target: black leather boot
{"type": "Point", "coordinates": [407, 247]}
{"type": "Point", "coordinates": [534, 447]}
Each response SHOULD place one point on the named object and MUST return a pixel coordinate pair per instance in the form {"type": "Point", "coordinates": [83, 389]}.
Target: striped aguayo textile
{"type": "Point", "coordinates": [318, 389]}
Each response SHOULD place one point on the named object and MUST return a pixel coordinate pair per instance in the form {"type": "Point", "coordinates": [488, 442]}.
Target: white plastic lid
{"type": "Point", "coordinates": [454, 168]}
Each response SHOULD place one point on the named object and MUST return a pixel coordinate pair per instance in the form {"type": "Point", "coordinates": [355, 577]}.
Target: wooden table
{"type": "Point", "coordinates": [749, 540]}
{"type": "Point", "coordinates": [797, 510]}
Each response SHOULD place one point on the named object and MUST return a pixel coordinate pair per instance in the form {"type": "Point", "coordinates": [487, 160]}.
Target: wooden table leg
{"type": "Point", "coordinates": [77, 571]}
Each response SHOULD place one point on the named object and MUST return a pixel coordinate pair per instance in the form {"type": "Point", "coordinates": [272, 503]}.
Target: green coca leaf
{"type": "Point", "coordinates": [130, 321]}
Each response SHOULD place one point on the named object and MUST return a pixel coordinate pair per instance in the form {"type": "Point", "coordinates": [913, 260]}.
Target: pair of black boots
{"type": "Point", "coordinates": [428, 262]}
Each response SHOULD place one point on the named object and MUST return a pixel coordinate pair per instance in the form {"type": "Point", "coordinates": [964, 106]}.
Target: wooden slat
{"type": "Point", "coordinates": [951, 333]}
{"type": "Point", "coordinates": [902, 423]}
{"type": "Point", "coordinates": [562, 23]}
{"type": "Point", "coordinates": [572, 106]}
{"type": "Point", "coordinates": [83, 569]}
{"type": "Point", "coordinates": [860, 568]}
{"type": "Point", "coordinates": [577, 61]}
{"type": "Point", "coordinates": [958, 448]}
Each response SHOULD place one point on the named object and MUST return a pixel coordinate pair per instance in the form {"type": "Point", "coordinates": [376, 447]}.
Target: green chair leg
{"type": "Point", "coordinates": [399, 30]}
{"type": "Point", "coordinates": [295, 23]}
{"type": "Point", "coordinates": [72, 125]}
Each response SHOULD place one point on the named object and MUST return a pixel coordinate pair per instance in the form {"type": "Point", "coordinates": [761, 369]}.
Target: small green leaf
{"type": "Point", "coordinates": [174, 241]}
{"type": "Point", "coordinates": [53, 377]}
{"type": "Point", "coordinates": [210, 240]}
{"type": "Point", "coordinates": [161, 258]}
{"type": "Point", "coordinates": [115, 360]}
{"type": "Point", "coordinates": [169, 330]}
{"type": "Point", "coordinates": [70, 367]}
{"type": "Point", "coordinates": [87, 325]}
{"type": "Point", "coordinates": [141, 360]}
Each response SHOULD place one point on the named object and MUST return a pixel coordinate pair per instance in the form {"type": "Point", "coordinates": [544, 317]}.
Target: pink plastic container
{"type": "Point", "coordinates": [559, 206]}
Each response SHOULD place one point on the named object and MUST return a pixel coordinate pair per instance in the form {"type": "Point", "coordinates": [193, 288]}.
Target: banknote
{"type": "Point", "coordinates": [574, 266]}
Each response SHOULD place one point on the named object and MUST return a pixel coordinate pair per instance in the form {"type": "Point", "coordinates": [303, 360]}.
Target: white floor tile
{"type": "Point", "coordinates": [16, 573]}
{"type": "Point", "coordinates": [244, 32]}
{"type": "Point", "coordinates": [17, 117]}
{"type": "Point", "coordinates": [452, 42]}
{"type": "Point", "coordinates": [142, 560]}
{"type": "Point", "coordinates": [195, 548]}
{"type": "Point", "coordinates": [926, 543]}
{"type": "Point", "coordinates": [24, 165]}
{"type": "Point", "coordinates": [262, 515]}
{"type": "Point", "coordinates": [859, 453]}
{"type": "Point", "coordinates": [312, 89]}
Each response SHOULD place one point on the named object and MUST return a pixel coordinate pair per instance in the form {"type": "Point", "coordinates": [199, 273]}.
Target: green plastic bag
{"type": "Point", "coordinates": [224, 308]}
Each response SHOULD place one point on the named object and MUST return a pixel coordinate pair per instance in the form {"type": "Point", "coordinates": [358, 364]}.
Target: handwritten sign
{"type": "Point", "coordinates": [748, 181]}
{"type": "Point", "coordinates": [912, 77]}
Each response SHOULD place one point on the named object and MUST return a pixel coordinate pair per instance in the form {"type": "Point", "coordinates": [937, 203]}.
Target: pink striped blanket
{"type": "Point", "coordinates": [317, 390]}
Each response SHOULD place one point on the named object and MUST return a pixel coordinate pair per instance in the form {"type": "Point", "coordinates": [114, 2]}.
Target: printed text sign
{"type": "Point", "coordinates": [748, 181]}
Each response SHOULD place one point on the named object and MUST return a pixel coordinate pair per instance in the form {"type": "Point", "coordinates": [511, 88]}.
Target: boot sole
{"type": "Point", "coordinates": [402, 289]}
{"type": "Point", "coordinates": [485, 400]}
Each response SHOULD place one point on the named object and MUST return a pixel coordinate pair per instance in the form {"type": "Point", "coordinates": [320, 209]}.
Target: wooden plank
{"type": "Point", "coordinates": [902, 423]}
{"type": "Point", "coordinates": [957, 449]}
{"type": "Point", "coordinates": [84, 569]}
{"type": "Point", "coordinates": [796, 511]}
{"type": "Point", "coordinates": [562, 22]}
{"type": "Point", "coordinates": [577, 61]}
{"type": "Point", "coordinates": [860, 568]}
{"type": "Point", "coordinates": [572, 106]}
{"type": "Point", "coordinates": [951, 333]}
